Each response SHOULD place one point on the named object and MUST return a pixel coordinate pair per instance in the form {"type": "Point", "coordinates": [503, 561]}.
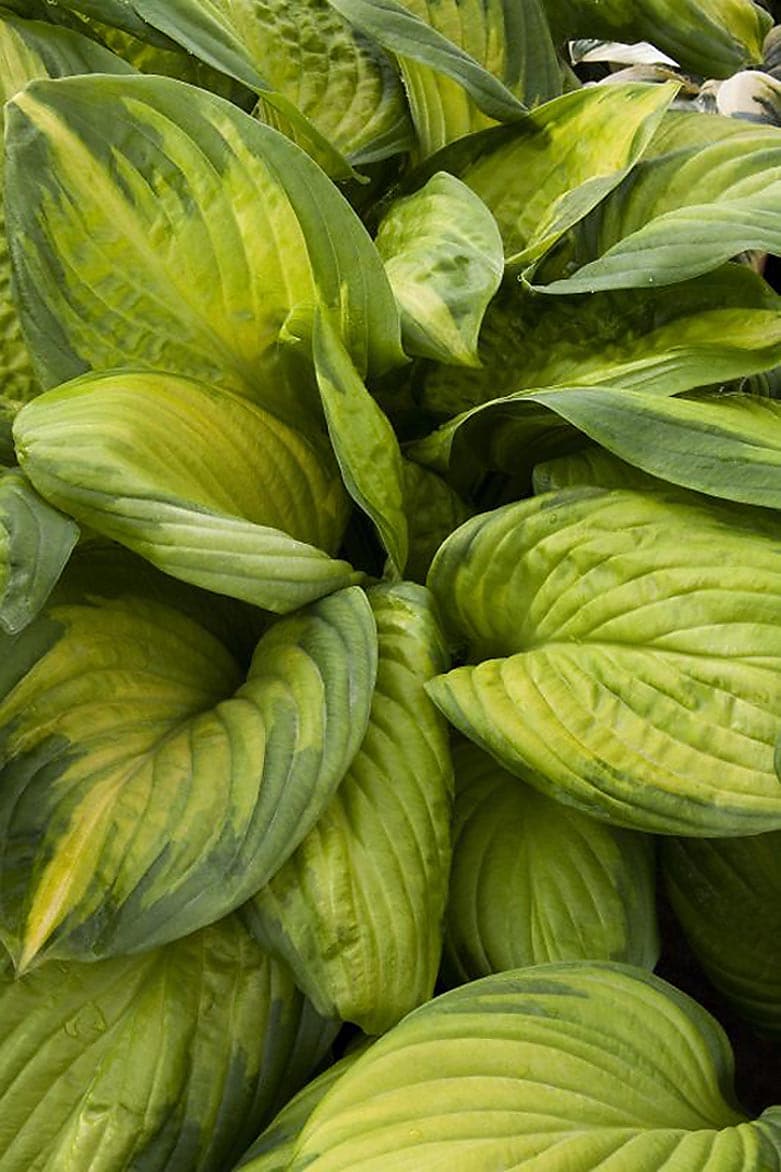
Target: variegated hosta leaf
{"type": "Point", "coordinates": [35, 543]}
{"type": "Point", "coordinates": [537, 178]}
{"type": "Point", "coordinates": [206, 485]}
{"type": "Point", "coordinates": [357, 911]}
{"type": "Point", "coordinates": [750, 94]}
{"type": "Point", "coordinates": [595, 466]}
{"type": "Point", "coordinates": [335, 91]}
{"type": "Point", "coordinates": [709, 330]}
{"type": "Point", "coordinates": [643, 635]}
{"type": "Point", "coordinates": [146, 789]}
{"type": "Point", "coordinates": [727, 896]}
{"type": "Point", "coordinates": [444, 259]}
{"type": "Point", "coordinates": [511, 41]}
{"type": "Point", "coordinates": [272, 1150]}
{"type": "Point", "coordinates": [364, 442]}
{"type": "Point", "coordinates": [708, 190]}
{"type": "Point", "coordinates": [30, 50]}
{"type": "Point", "coordinates": [534, 881]}
{"type": "Point", "coordinates": [576, 1066]}
{"type": "Point", "coordinates": [167, 1061]}
{"type": "Point", "coordinates": [709, 37]}
{"type": "Point", "coordinates": [155, 225]}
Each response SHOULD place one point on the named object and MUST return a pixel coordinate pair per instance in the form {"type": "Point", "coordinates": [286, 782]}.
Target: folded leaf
{"type": "Point", "coordinates": [644, 644]}
{"type": "Point", "coordinates": [537, 178]}
{"type": "Point", "coordinates": [709, 37]}
{"type": "Point", "coordinates": [444, 260]}
{"type": "Point", "coordinates": [509, 40]}
{"type": "Point", "coordinates": [704, 195]}
{"type": "Point", "coordinates": [168, 1061]}
{"type": "Point", "coordinates": [157, 226]}
{"type": "Point", "coordinates": [206, 485]}
{"type": "Point", "coordinates": [576, 1066]}
{"type": "Point", "coordinates": [709, 330]}
{"type": "Point", "coordinates": [357, 911]}
{"type": "Point", "coordinates": [35, 543]}
{"type": "Point", "coordinates": [146, 787]}
{"type": "Point", "coordinates": [727, 896]}
{"type": "Point", "coordinates": [331, 88]}
{"type": "Point", "coordinates": [363, 440]}
{"type": "Point", "coordinates": [535, 881]}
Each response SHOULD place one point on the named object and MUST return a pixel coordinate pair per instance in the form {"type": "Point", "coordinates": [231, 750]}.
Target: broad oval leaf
{"type": "Point", "coordinates": [357, 911]}
{"type": "Point", "coordinates": [534, 881]}
{"type": "Point", "coordinates": [576, 1066]}
{"type": "Point", "coordinates": [644, 644]}
{"type": "Point", "coordinates": [727, 896]}
{"type": "Point", "coordinates": [444, 259]}
{"type": "Point", "coordinates": [145, 787]}
{"type": "Point", "coordinates": [709, 37]}
{"type": "Point", "coordinates": [35, 543]}
{"type": "Point", "coordinates": [155, 225]}
{"type": "Point", "coordinates": [364, 442]}
{"type": "Point", "coordinates": [168, 1061]}
{"type": "Point", "coordinates": [709, 330]}
{"type": "Point", "coordinates": [204, 484]}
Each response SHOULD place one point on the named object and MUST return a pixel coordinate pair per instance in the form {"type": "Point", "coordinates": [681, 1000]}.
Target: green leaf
{"type": "Point", "coordinates": [709, 330]}
{"type": "Point", "coordinates": [167, 1061]}
{"type": "Point", "coordinates": [146, 785]}
{"type": "Point", "coordinates": [30, 50]}
{"type": "Point", "coordinates": [433, 511]}
{"type": "Point", "coordinates": [35, 543]}
{"type": "Point", "coordinates": [330, 87]}
{"type": "Point", "coordinates": [577, 1066]}
{"type": "Point", "coordinates": [364, 442]}
{"type": "Point", "coordinates": [206, 485]}
{"type": "Point", "coordinates": [444, 259]}
{"type": "Point", "coordinates": [709, 191]}
{"type": "Point", "coordinates": [357, 911]}
{"type": "Point", "coordinates": [535, 881]}
{"type": "Point", "coordinates": [122, 14]}
{"type": "Point", "coordinates": [643, 645]}
{"type": "Point", "coordinates": [727, 896]}
{"type": "Point", "coordinates": [154, 225]}
{"type": "Point", "coordinates": [400, 31]}
{"type": "Point", "coordinates": [512, 41]}
{"type": "Point", "coordinates": [537, 178]}
{"type": "Point", "coordinates": [711, 37]}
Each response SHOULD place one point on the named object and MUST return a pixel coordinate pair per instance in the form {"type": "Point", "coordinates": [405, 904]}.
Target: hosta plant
{"type": "Point", "coordinates": [390, 555]}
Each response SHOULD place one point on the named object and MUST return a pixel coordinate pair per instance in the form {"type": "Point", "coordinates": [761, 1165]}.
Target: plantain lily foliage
{"type": "Point", "coordinates": [390, 575]}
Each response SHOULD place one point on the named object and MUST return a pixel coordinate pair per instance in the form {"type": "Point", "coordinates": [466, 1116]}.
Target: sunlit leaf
{"type": "Point", "coordinates": [357, 911]}
{"type": "Point", "coordinates": [444, 259]}
{"type": "Point", "coordinates": [157, 226]}
{"type": "Point", "coordinates": [205, 484]}
{"type": "Point", "coordinates": [575, 1066]}
{"type": "Point", "coordinates": [146, 782]}
{"type": "Point", "coordinates": [624, 654]}
{"type": "Point", "coordinates": [169, 1061]}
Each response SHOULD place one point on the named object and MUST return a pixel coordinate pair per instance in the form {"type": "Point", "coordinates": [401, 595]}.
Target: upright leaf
{"type": "Point", "coordinates": [158, 226]}
{"type": "Point", "coordinates": [357, 911]}
{"type": "Point", "coordinates": [641, 681]}
{"type": "Point", "coordinates": [364, 442]}
{"type": "Point", "coordinates": [209, 487]}
{"type": "Point", "coordinates": [574, 1066]}
{"type": "Point", "coordinates": [444, 259]}
{"type": "Point", "coordinates": [170, 1060]}
{"type": "Point", "coordinates": [534, 881]}
{"type": "Point", "coordinates": [145, 785]}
